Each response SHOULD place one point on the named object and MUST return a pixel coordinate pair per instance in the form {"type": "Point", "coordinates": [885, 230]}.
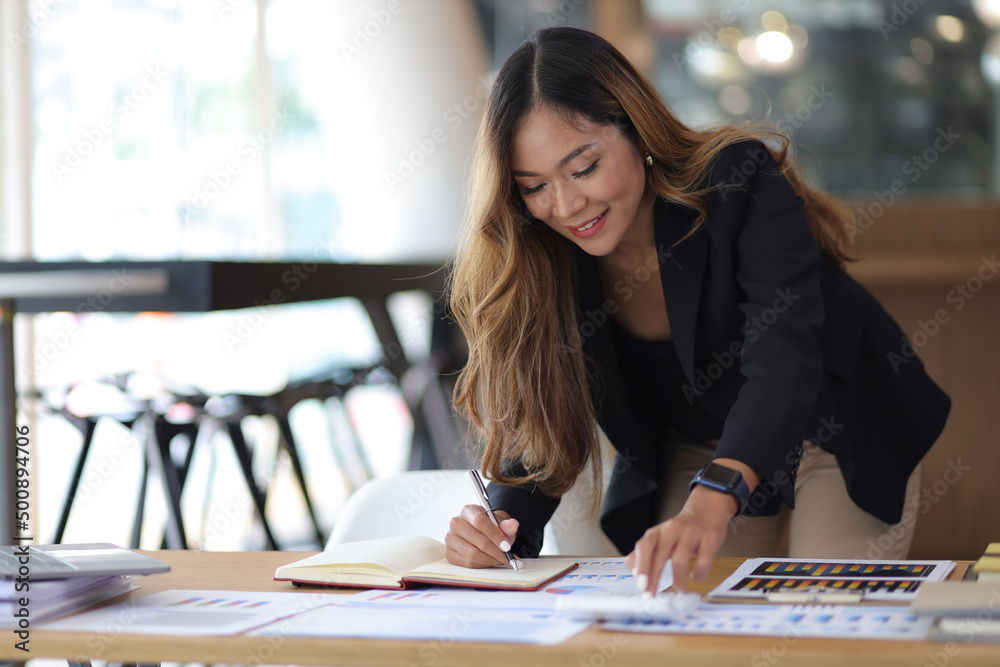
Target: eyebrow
{"type": "Point", "coordinates": [572, 154]}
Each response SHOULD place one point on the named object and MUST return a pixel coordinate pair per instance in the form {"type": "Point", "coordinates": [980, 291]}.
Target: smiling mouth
{"type": "Point", "coordinates": [586, 226]}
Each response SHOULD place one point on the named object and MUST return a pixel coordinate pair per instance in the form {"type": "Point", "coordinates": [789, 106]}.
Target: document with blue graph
{"type": "Point", "coordinates": [790, 622]}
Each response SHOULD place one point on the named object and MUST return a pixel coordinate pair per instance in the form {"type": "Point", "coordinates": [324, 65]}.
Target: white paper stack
{"type": "Point", "coordinates": [41, 600]}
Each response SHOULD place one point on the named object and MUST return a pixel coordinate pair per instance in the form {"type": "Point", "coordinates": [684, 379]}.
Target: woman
{"type": "Point", "coordinates": [682, 290]}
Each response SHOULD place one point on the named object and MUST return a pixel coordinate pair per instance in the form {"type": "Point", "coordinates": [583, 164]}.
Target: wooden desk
{"type": "Point", "coordinates": [252, 571]}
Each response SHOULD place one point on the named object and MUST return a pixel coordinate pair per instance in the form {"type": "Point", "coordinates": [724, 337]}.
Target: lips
{"type": "Point", "coordinates": [590, 227]}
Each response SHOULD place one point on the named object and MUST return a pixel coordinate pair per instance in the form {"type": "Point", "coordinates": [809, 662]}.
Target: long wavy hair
{"type": "Point", "coordinates": [525, 386]}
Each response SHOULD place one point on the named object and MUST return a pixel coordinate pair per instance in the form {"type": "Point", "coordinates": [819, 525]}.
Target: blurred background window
{"type": "Point", "coordinates": [293, 130]}
{"type": "Point", "coordinates": [872, 92]}
{"type": "Point", "coordinates": [341, 130]}
{"type": "Point", "coordinates": [865, 87]}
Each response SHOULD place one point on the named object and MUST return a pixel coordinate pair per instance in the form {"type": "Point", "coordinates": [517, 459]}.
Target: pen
{"type": "Point", "coordinates": [484, 500]}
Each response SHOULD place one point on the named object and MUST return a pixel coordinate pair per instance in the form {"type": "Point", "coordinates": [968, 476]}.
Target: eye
{"type": "Point", "coordinates": [586, 172]}
{"type": "Point", "coordinates": [580, 174]}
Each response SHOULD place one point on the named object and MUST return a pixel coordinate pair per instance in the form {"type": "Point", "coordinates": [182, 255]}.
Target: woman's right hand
{"type": "Point", "coordinates": [473, 540]}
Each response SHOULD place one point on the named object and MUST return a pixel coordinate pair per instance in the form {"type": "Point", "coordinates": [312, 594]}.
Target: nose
{"type": "Point", "coordinates": [567, 201]}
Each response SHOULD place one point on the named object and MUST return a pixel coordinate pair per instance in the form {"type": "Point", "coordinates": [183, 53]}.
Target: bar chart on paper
{"type": "Point", "coordinates": [888, 581]}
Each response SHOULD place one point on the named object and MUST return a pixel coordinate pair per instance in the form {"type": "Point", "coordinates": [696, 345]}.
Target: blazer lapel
{"type": "Point", "coordinates": [682, 273]}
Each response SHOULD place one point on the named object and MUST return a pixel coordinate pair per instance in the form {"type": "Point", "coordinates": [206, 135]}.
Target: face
{"type": "Point", "coordinates": [585, 182]}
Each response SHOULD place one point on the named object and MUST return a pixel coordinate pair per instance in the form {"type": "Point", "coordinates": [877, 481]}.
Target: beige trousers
{"type": "Point", "coordinates": [824, 524]}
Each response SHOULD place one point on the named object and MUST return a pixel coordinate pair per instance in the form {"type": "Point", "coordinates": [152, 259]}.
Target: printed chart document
{"type": "Point", "coordinates": [396, 562]}
{"type": "Point", "coordinates": [593, 577]}
{"type": "Point", "coordinates": [891, 581]}
{"type": "Point", "coordinates": [462, 614]}
{"type": "Point", "coordinates": [826, 621]}
{"type": "Point", "coordinates": [183, 612]}
{"type": "Point", "coordinates": [602, 575]}
{"type": "Point", "coordinates": [439, 614]}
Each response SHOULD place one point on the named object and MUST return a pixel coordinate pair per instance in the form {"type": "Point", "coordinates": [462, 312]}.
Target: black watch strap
{"type": "Point", "coordinates": [725, 480]}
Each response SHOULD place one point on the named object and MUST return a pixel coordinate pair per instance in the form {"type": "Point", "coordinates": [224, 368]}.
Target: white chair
{"type": "Point", "coordinates": [420, 502]}
{"type": "Point", "coordinates": [423, 502]}
{"type": "Point", "coordinates": [573, 529]}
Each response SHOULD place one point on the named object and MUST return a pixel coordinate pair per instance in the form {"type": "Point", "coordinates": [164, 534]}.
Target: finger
{"type": "Point", "coordinates": [468, 546]}
{"type": "Point", "coordinates": [509, 527]}
{"type": "Point", "coordinates": [472, 547]}
{"type": "Point", "coordinates": [497, 537]}
{"type": "Point", "coordinates": [706, 553]}
{"type": "Point", "coordinates": [630, 560]}
{"type": "Point", "coordinates": [681, 558]}
{"type": "Point", "coordinates": [477, 518]}
{"type": "Point", "coordinates": [486, 536]}
{"type": "Point", "coordinates": [665, 548]}
{"type": "Point", "coordinates": [462, 552]}
{"type": "Point", "coordinates": [645, 550]}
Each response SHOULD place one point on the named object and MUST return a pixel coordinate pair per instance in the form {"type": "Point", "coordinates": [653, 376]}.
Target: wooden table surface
{"type": "Point", "coordinates": [252, 571]}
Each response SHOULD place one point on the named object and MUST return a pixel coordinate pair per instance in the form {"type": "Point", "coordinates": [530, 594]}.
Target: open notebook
{"type": "Point", "coordinates": [396, 562]}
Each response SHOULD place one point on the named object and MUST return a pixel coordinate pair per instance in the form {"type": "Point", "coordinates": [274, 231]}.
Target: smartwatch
{"type": "Point", "coordinates": [726, 480]}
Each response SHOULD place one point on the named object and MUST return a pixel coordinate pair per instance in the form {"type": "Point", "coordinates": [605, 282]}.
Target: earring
{"type": "Point", "coordinates": [649, 160]}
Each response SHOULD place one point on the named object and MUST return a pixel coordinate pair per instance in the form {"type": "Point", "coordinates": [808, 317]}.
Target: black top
{"type": "Point", "coordinates": [655, 381]}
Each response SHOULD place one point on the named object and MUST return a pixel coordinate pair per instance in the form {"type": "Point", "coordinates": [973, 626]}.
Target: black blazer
{"type": "Point", "coordinates": [772, 338]}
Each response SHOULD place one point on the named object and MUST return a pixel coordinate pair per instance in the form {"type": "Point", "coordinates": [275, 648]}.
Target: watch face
{"type": "Point", "coordinates": [721, 475]}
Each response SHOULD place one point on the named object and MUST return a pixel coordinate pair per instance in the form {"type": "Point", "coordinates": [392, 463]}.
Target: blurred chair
{"type": "Point", "coordinates": [423, 502]}
{"type": "Point", "coordinates": [185, 415]}
{"type": "Point", "coordinates": [574, 530]}
{"type": "Point", "coordinates": [426, 382]}
{"type": "Point", "coordinates": [204, 415]}
{"type": "Point", "coordinates": [84, 404]}
{"type": "Point", "coordinates": [419, 502]}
